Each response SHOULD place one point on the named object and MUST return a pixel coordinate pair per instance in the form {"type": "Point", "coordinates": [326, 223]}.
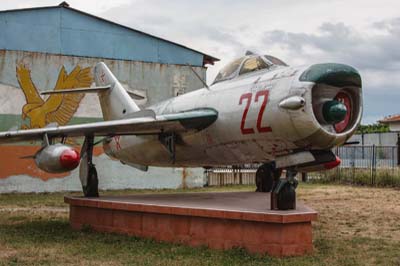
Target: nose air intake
{"type": "Point", "coordinates": [336, 96]}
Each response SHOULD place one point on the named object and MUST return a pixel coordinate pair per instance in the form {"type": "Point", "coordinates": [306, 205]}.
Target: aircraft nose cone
{"type": "Point", "coordinates": [334, 111]}
{"type": "Point", "coordinates": [69, 159]}
{"type": "Point", "coordinates": [338, 75]}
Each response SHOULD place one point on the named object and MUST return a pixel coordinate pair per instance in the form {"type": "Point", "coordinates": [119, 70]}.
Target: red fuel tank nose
{"type": "Point", "coordinates": [332, 164]}
{"type": "Point", "coordinates": [70, 159]}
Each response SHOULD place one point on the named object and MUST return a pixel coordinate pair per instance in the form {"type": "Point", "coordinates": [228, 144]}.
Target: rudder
{"type": "Point", "coordinates": [115, 103]}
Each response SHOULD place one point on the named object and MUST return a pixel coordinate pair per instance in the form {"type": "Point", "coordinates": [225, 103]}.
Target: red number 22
{"type": "Point", "coordinates": [248, 97]}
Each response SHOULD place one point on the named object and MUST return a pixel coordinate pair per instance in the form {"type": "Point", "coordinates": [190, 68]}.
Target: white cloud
{"type": "Point", "coordinates": [363, 33]}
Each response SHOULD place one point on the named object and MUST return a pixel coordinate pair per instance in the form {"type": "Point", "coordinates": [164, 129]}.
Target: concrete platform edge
{"type": "Point", "coordinates": [272, 233]}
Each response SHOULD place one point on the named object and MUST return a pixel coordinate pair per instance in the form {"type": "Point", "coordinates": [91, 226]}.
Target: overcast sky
{"type": "Point", "coordinates": [362, 33]}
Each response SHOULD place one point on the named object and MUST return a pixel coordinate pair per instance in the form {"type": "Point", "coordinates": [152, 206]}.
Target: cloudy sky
{"type": "Point", "coordinates": [362, 33]}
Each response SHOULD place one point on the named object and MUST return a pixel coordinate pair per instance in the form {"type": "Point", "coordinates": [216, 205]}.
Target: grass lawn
{"type": "Point", "coordinates": [356, 226]}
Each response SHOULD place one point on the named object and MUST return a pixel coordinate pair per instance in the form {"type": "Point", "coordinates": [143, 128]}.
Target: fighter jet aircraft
{"type": "Point", "coordinates": [258, 110]}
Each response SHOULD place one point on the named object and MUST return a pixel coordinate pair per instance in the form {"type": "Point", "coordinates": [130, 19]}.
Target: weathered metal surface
{"type": "Point", "coordinates": [50, 158]}
{"type": "Point", "coordinates": [62, 30]}
{"type": "Point", "coordinates": [251, 127]}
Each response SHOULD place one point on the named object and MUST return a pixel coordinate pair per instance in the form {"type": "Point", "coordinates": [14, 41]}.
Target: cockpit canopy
{"type": "Point", "coordinates": [248, 64]}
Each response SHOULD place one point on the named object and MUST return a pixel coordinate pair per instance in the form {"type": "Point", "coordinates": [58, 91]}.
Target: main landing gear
{"type": "Point", "coordinates": [87, 170]}
{"type": "Point", "coordinates": [283, 191]}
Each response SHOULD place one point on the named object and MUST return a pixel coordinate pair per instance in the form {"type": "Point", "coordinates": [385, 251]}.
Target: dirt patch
{"type": "Point", "coordinates": [347, 211]}
{"type": "Point", "coordinates": [6, 252]}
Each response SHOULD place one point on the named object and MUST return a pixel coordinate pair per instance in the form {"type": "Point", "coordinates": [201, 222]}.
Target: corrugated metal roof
{"type": "Point", "coordinates": [207, 59]}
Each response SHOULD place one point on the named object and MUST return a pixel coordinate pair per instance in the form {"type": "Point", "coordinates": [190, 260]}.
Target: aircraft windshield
{"type": "Point", "coordinates": [229, 70]}
{"type": "Point", "coordinates": [253, 64]}
{"type": "Point", "coordinates": [275, 60]}
{"type": "Point", "coordinates": [247, 64]}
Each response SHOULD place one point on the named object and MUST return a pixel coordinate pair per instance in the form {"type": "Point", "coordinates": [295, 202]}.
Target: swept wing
{"type": "Point", "coordinates": [192, 120]}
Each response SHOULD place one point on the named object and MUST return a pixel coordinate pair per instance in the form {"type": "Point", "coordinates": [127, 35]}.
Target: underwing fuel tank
{"type": "Point", "coordinates": [322, 108]}
{"type": "Point", "coordinates": [57, 158]}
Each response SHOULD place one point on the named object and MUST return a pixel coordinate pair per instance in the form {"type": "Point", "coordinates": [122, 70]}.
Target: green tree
{"type": "Point", "coordinates": [373, 128]}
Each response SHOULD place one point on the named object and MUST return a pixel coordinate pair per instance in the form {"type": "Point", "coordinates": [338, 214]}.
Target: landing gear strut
{"type": "Point", "coordinates": [266, 176]}
{"type": "Point", "coordinates": [87, 170]}
{"type": "Point", "coordinates": [283, 195]}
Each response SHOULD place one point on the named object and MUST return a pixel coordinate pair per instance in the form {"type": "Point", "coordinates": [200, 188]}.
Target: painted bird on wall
{"type": "Point", "coordinates": [57, 108]}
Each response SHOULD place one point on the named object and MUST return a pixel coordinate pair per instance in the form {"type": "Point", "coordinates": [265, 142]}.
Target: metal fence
{"type": "Point", "coordinates": [364, 165]}
{"type": "Point", "coordinates": [221, 176]}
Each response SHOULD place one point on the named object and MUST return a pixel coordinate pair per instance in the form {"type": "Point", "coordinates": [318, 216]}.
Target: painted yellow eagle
{"type": "Point", "coordinates": [57, 108]}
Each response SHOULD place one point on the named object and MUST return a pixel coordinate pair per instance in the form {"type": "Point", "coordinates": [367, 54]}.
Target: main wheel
{"type": "Point", "coordinates": [265, 176]}
{"type": "Point", "coordinates": [92, 187]}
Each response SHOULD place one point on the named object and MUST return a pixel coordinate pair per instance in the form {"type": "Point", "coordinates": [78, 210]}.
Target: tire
{"type": "Point", "coordinates": [287, 198]}
{"type": "Point", "coordinates": [92, 188]}
{"type": "Point", "coordinates": [265, 178]}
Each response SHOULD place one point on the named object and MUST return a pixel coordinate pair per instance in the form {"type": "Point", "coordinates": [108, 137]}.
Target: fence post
{"type": "Point", "coordinates": [398, 150]}
{"type": "Point", "coordinates": [338, 169]}
{"type": "Point", "coordinates": [206, 173]}
{"type": "Point", "coordinates": [353, 164]}
{"type": "Point", "coordinates": [393, 166]}
{"type": "Point", "coordinates": [373, 165]}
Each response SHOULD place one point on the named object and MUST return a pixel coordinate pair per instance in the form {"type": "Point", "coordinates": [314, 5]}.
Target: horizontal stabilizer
{"type": "Point", "coordinates": [78, 90]}
{"type": "Point", "coordinates": [135, 95]}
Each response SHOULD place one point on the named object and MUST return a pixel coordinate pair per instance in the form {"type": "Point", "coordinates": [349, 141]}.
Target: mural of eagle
{"type": "Point", "coordinates": [57, 108]}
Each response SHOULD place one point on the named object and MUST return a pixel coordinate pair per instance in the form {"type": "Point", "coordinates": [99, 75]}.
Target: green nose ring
{"type": "Point", "coordinates": [334, 111]}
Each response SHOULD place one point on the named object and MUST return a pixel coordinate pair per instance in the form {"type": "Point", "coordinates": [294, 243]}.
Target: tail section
{"type": "Point", "coordinates": [115, 102]}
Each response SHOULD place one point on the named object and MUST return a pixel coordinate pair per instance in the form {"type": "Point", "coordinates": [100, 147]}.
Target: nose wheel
{"type": "Point", "coordinates": [266, 176]}
{"type": "Point", "coordinates": [283, 195]}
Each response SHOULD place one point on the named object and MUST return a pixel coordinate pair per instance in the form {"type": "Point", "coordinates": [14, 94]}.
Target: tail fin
{"type": "Point", "coordinates": [115, 102]}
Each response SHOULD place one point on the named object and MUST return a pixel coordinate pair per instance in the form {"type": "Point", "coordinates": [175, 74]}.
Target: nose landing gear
{"type": "Point", "coordinates": [266, 176]}
{"type": "Point", "coordinates": [283, 191]}
{"type": "Point", "coordinates": [283, 195]}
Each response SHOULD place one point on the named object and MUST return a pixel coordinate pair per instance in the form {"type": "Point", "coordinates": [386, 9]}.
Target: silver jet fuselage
{"type": "Point", "coordinates": [259, 118]}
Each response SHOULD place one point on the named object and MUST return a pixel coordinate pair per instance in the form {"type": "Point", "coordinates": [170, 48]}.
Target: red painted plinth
{"type": "Point", "coordinates": [216, 220]}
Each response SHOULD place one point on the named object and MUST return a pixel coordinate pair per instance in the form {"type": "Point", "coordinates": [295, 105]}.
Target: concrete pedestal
{"type": "Point", "coordinates": [217, 220]}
